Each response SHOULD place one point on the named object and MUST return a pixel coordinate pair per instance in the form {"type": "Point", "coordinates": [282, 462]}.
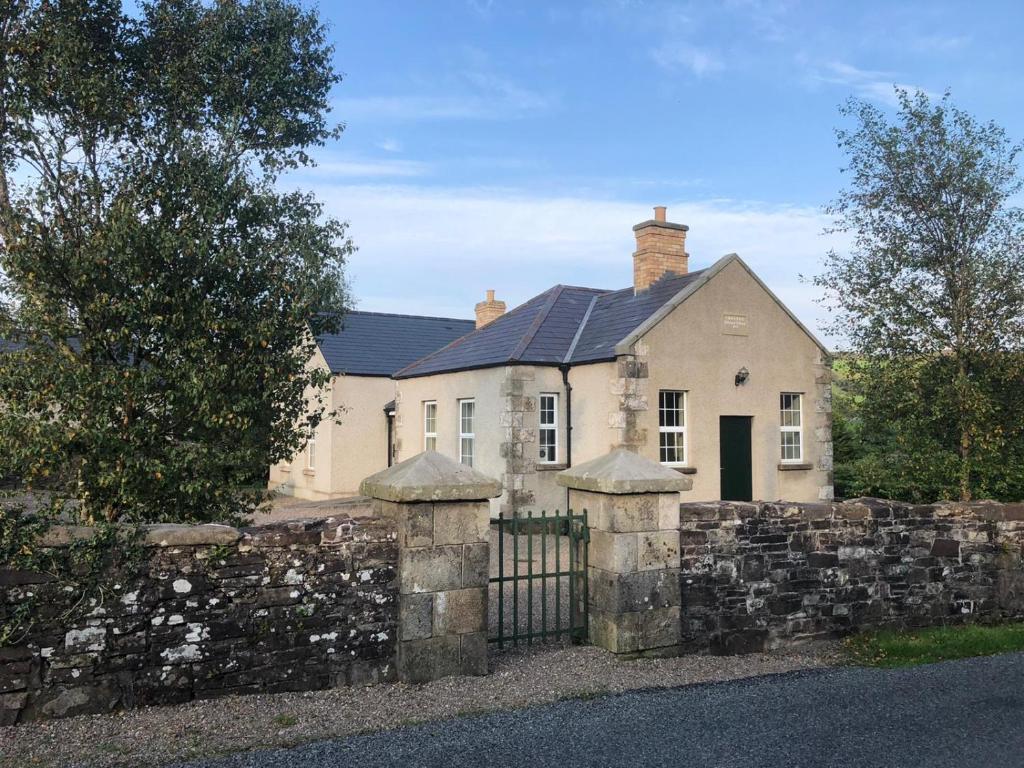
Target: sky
{"type": "Point", "coordinates": [512, 144]}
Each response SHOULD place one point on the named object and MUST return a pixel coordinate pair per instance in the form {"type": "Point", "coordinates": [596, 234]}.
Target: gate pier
{"type": "Point", "coordinates": [442, 516]}
{"type": "Point", "coordinates": [633, 580]}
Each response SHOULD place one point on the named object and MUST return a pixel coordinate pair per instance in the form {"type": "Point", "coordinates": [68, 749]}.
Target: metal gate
{"type": "Point", "coordinates": [538, 584]}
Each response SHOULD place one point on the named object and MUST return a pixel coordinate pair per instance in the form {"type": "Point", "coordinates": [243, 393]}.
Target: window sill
{"type": "Point", "coordinates": [684, 470]}
{"type": "Point", "coordinates": [284, 469]}
{"type": "Point", "coordinates": [784, 467]}
{"type": "Point", "coordinates": [309, 472]}
{"type": "Point", "coordinates": [545, 467]}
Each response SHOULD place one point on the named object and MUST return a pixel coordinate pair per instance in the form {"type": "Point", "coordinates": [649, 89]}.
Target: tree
{"type": "Point", "coordinates": [161, 295]}
{"type": "Point", "coordinates": [930, 298]}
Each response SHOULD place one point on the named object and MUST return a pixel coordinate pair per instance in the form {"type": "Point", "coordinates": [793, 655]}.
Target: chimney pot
{"type": "Point", "coordinates": [489, 310]}
{"type": "Point", "coordinates": [660, 250]}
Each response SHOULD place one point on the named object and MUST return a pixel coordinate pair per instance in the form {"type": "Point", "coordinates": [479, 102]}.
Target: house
{"type": "Point", "coordinates": [705, 371]}
{"type": "Point", "coordinates": [361, 357]}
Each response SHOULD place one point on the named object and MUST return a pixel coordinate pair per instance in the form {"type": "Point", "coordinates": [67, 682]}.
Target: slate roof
{"type": "Point", "coordinates": [565, 324]}
{"type": "Point", "coordinates": [378, 344]}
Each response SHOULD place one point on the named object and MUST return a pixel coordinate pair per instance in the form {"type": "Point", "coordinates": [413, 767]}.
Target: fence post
{"type": "Point", "coordinates": [633, 577]}
{"type": "Point", "coordinates": [442, 517]}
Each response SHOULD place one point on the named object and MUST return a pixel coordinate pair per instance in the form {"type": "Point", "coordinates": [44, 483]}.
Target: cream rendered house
{"type": "Point", "coordinates": [704, 371]}
{"type": "Point", "coordinates": [361, 358]}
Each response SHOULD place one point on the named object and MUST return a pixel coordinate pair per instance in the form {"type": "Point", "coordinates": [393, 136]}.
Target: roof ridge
{"type": "Point", "coordinates": [586, 288]}
{"type": "Point", "coordinates": [401, 314]}
{"type": "Point", "coordinates": [579, 330]}
{"type": "Point", "coordinates": [538, 321]}
{"type": "Point", "coordinates": [465, 336]}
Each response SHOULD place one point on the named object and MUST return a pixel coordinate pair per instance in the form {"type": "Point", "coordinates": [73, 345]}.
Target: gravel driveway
{"type": "Point", "coordinates": [158, 735]}
{"type": "Point", "coordinates": [956, 714]}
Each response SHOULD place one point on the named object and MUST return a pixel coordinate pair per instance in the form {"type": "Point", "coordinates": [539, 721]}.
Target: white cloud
{"type": "Point", "coordinates": [359, 168]}
{"type": "Point", "coordinates": [474, 94]}
{"type": "Point", "coordinates": [390, 145]}
{"type": "Point", "coordinates": [869, 84]}
{"type": "Point", "coordinates": [939, 43]}
{"type": "Point", "coordinates": [674, 56]}
{"type": "Point", "coordinates": [435, 251]}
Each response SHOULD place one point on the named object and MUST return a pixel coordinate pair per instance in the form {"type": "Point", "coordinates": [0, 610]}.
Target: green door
{"type": "Point", "coordinates": [734, 454]}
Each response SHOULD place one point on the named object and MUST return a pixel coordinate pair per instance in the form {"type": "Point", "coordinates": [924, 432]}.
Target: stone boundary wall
{"type": "Point", "coordinates": [761, 575]}
{"type": "Point", "coordinates": [289, 606]}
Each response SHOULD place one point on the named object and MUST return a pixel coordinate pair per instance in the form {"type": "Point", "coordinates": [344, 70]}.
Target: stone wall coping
{"type": "Point", "coordinates": [623, 471]}
{"type": "Point", "coordinates": [851, 509]}
{"type": "Point", "coordinates": [175, 535]}
{"type": "Point", "coordinates": [430, 476]}
{"type": "Point", "coordinates": [215, 534]}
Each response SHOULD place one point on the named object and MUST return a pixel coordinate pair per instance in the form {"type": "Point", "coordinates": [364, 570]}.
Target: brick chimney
{"type": "Point", "coordinates": [489, 310]}
{"type": "Point", "coordinates": [660, 249]}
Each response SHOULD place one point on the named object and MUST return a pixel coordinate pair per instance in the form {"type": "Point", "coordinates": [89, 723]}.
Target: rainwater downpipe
{"type": "Point", "coordinates": [567, 387]}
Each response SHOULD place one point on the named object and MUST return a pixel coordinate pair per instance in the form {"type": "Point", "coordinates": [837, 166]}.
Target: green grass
{"type": "Point", "coordinates": [926, 646]}
{"type": "Point", "coordinates": [286, 721]}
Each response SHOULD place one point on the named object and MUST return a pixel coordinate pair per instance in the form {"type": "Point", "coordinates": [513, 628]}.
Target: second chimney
{"type": "Point", "coordinates": [489, 310]}
{"type": "Point", "coordinates": [660, 249]}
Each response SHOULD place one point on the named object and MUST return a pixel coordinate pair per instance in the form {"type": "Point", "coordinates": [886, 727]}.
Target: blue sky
{"type": "Point", "coordinates": [512, 145]}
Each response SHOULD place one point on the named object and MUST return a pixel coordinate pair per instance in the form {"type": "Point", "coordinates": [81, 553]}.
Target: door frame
{"type": "Point", "coordinates": [749, 422]}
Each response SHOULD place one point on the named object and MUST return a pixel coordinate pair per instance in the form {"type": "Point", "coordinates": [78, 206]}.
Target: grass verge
{"type": "Point", "coordinates": [925, 646]}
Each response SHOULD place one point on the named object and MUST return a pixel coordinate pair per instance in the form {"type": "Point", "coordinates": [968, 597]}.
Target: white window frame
{"type": "Point", "coordinates": [311, 451]}
{"type": "Point", "coordinates": [676, 429]}
{"type": "Point", "coordinates": [429, 435]}
{"type": "Point", "coordinates": [470, 436]}
{"type": "Point", "coordinates": [552, 426]}
{"type": "Point", "coordinates": [798, 429]}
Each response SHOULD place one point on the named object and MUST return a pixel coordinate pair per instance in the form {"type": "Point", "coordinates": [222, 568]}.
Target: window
{"type": "Point", "coordinates": [672, 426]}
{"type": "Point", "coordinates": [311, 451]}
{"type": "Point", "coordinates": [467, 413]}
{"type": "Point", "coordinates": [430, 425]}
{"type": "Point", "coordinates": [790, 426]}
{"type": "Point", "coordinates": [548, 428]}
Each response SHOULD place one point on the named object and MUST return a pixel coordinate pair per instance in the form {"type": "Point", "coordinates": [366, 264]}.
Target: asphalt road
{"type": "Point", "coordinates": [962, 713]}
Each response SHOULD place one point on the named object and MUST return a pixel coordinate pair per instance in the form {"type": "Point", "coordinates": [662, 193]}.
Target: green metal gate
{"type": "Point", "coordinates": [538, 585]}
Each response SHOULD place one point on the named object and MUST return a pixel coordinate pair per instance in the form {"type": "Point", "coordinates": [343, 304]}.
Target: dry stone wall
{"type": "Point", "coordinates": [214, 611]}
{"type": "Point", "coordinates": [757, 576]}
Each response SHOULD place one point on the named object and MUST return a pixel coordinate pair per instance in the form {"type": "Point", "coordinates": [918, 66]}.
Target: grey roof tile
{"type": "Point", "coordinates": [547, 328]}
{"type": "Point", "coordinates": [378, 344]}
{"type": "Point", "coordinates": [617, 313]}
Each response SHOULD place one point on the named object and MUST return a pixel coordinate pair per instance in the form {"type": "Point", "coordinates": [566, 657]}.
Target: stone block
{"type": "Point", "coordinates": [657, 550]}
{"type": "Point", "coordinates": [415, 524]}
{"type": "Point", "coordinates": [739, 642]}
{"type": "Point", "coordinates": [476, 565]}
{"type": "Point", "coordinates": [466, 523]}
{"type": "Point", "coordinates": [669, 517]}
{"type": "Point", "coordinates": [420, 661]}
{"type": "Point", "coordinates": [627, 513]}
{"type": "Point", "coordinates": [460, 611]}
{"type": "Point", "coordinates": [627, 592]}
{"type": "Point", "coordinates": [636, 631]}
{"type": "Point", "coordinates": [415, 616]}
{"type": "Point", "coordinates": [946, 548]}
{"type": "Point", "coordinates": [11, 705]}
{"type": "Point", "coordinates": [172, 535]}
{"type": "Point", "coordinates": [613, 552]}
{"type": "Point", "coordinates": [430, 569]}
{"type": "Point", "coordinates": [473, 658]}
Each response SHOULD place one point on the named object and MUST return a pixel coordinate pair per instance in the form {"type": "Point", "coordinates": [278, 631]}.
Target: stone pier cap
{"type": "Point", "coordinates": [623, 471]}
{"type": "Point", "coordinates": [429, 476]}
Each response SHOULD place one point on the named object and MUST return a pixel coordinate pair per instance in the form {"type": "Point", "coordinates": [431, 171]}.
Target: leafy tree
{"type": "Point", "coordinates": [931, 299]}
{"type": "Point", "coordinates": [160, 293]}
